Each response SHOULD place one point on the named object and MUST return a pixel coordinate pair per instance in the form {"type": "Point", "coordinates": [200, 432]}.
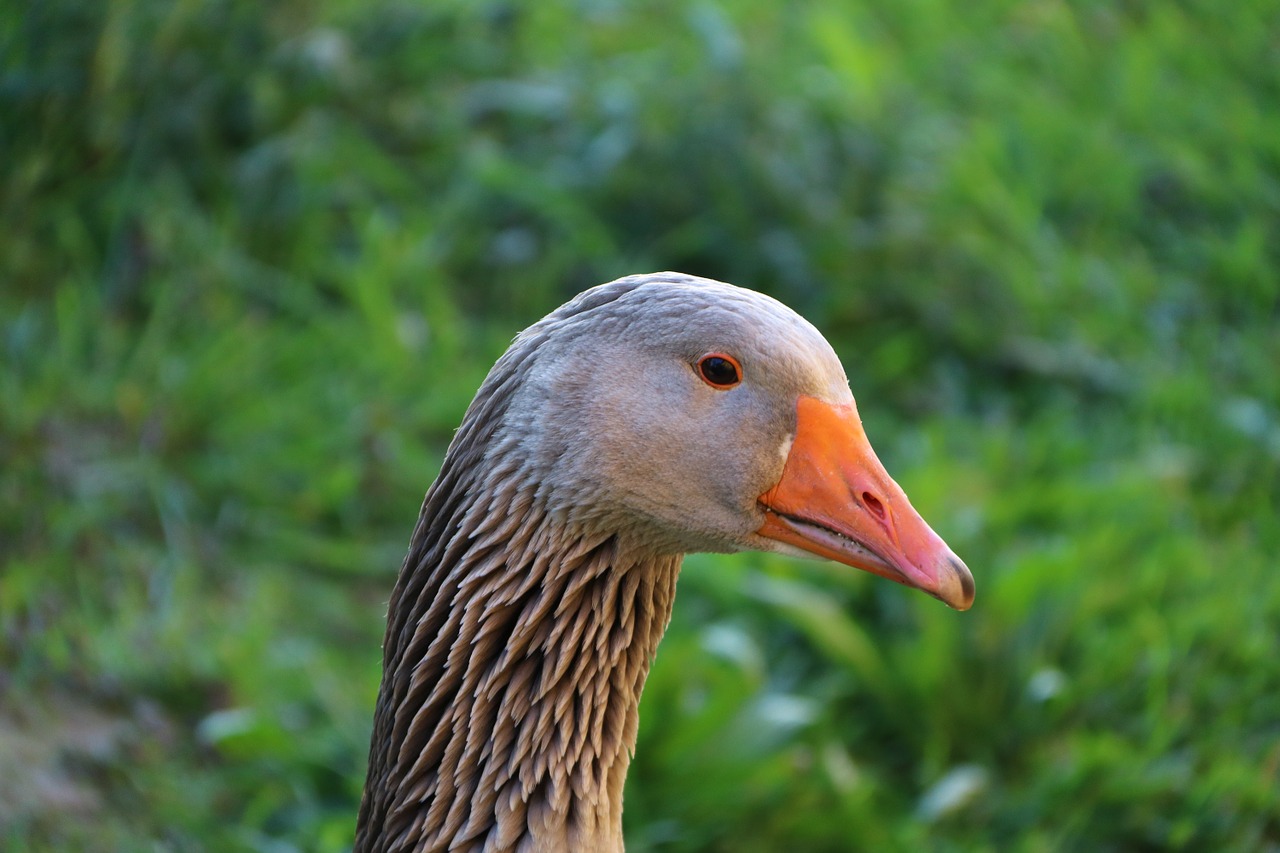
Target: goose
{"type": "Point", "coordinates": [645, 419]}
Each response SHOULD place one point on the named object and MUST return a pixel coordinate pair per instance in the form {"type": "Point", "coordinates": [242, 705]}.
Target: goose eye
{"type": "Point", "coordinates": [719, 370]}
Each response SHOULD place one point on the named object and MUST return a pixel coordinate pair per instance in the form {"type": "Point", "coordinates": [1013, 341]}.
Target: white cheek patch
{"type": "Point", "coordinates": [784, 450]}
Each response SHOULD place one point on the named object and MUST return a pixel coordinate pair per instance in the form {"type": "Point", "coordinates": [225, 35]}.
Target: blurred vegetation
{"type": "Point", "coordinates": [257, 257]}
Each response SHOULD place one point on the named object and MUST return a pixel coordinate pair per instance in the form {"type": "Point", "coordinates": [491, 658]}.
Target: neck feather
{"type": "Point", "coordinates": [516, 650]}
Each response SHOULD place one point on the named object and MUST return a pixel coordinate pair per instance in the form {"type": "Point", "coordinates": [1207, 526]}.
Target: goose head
{"type": "Point", "coordinates": [683, 414]}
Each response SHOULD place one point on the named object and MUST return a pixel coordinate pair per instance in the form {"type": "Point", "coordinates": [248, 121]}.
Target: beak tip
{"type": "Point", "coordinates": [956, 587]}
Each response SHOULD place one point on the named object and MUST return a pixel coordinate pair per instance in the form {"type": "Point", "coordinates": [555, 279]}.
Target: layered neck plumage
{"type": "Point", "coordinates": [516, 650]}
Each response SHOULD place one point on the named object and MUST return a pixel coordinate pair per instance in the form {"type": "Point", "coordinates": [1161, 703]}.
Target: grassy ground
{"type": "Point", "coordinates": [257, 257]}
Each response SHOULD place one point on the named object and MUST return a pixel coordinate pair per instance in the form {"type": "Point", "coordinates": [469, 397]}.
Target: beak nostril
{"type": "Point", "coordinates": [872, 503]}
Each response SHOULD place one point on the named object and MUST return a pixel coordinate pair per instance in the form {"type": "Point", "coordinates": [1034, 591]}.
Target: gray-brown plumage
{"type": "Point", "coordinates": [542, 571]}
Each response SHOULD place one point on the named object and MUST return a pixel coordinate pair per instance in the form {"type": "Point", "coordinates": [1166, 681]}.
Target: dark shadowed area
{"type": "Point", "coordinates": [257, 257]}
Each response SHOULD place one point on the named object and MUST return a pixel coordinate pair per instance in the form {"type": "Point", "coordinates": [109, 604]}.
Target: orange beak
{"type": "Point", "coordinates": [836, 500]}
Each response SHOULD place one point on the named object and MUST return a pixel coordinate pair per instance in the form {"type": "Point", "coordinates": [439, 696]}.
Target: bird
{"type": "Point", "coordinates": [647, 418]}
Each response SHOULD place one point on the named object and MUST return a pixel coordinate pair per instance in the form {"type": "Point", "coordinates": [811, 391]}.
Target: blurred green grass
{"type": "Point", "coordinates": [258, 257]}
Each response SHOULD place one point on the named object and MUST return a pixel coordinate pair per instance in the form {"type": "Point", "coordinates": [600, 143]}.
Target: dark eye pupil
{"type": "Point", "coordinates": [720, 371]}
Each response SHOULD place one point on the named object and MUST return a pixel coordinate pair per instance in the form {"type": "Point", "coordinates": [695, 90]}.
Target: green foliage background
{"type": "Point", "coordinates": [256, 257]}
